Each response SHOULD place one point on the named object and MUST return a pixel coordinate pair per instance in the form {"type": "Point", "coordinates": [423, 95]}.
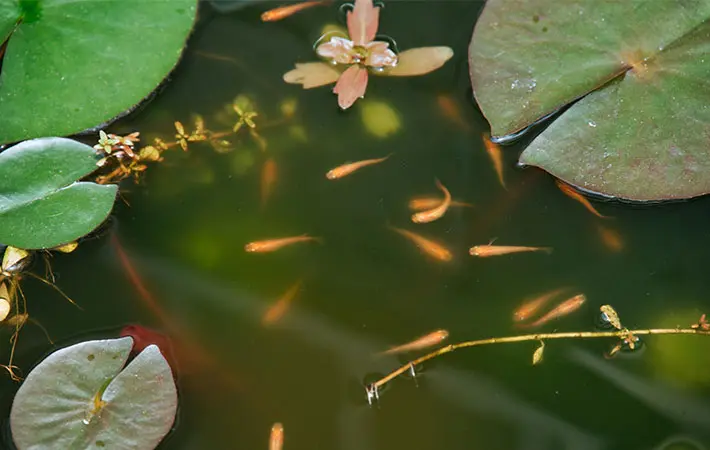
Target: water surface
{"type": "Point", "coordinates": [366, 288]}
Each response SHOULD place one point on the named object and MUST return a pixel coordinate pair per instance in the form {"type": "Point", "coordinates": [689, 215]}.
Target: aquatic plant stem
{"type": "Point", "coordinates": [530, 337]}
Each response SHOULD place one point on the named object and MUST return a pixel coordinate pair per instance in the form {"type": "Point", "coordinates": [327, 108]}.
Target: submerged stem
{"type": "Point", "coordinates": [374, 387]}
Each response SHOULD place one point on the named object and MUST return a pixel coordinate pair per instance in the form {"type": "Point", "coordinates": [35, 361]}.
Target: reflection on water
{"type": "Point", "coordinates": [366, 288]}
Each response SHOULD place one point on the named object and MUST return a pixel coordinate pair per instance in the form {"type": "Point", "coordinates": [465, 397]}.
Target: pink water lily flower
{"type": "Point", "coordinates": [361, 53]}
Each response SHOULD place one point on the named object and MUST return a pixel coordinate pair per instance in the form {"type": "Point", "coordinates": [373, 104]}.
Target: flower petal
{"type": "Point", "coordinates": [363, 21]}
{"type": "Point", "coordinates": [312, 74]}
{"type": "Point", "coordinates": [337, 49]}
{"type": "Point", "coordinates": [380, 55]}
{"type": "Point", "coordinates": [351, 86]}
{"type": "Point", "coordinates": [419, 61]}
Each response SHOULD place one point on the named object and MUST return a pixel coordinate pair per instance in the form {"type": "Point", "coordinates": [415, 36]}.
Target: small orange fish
{"type": "Point", "coordinates": [422, 203]}
{"type": "Point", "coordinates": [429, 340]}
{"type": "Point", "coordinates": [564, 308]}
{"type": "Point", "coordinates": [611, 238]}
{"type": "Point", "coordinates": [431, 248]}
{"type": "Point", "coordinates": [437, 212]}
{"type": "Point", "coordinates": [530, 307]}
{"type": "Point", "coordinates": [484, 251]}
{"type": "Point", "coordinates": [268, 179]}
{"type": "Point", "coordinates": [571, 193]}
{"type": "Point", "coordinates": [347, 169]}
{"type": "Point", "coordinates": [450, 110]}
{"type": "Point", "coordinates": [279, 308]}
{"type": "Point", "coordinates": [496, 156]}
{"type": "Point", "coordinates": [283, 12]}
{"type": "Point", "coordinates": [276, 439]}
{"type": "Point", "coordinates": [271, 245]}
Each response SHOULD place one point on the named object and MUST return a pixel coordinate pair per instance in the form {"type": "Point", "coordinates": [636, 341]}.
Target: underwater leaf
{"type": "Point", "coordinates": [312, 74]}
{"type": "Point", "coordinates": [419, 61]}
{"type": "Point", "coordinates": [79, 398]}
{"type": "Point", "coordinates": [380, 118]}
{"type": "Point", "coordinates": [42, 205]}
{"type": "Point", "coordinates": [641, 132]}
{"type": "Point", "coordinates": [73, 65]}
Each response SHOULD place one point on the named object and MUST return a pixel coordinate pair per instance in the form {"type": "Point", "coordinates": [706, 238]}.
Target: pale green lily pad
{"type": "Point", "coordinates": [42, 205]}
{"type": "Point", "coordinates": [53, 407]}
{"type": "Point", "coordinates": [641, 136]}
{"type": "Point", "coordinates": [73, 65]}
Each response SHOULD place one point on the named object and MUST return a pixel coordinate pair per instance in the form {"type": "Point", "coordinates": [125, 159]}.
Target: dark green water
{"type": "Point", "coordinates": [367, 288]}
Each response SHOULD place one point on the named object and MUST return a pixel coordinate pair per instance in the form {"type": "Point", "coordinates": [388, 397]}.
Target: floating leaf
{"type": "Point", "coordinates": [79, 398]}
{"type": "Point", "coordinates": [42, 205]}
{"type": "Point", "coordinates": [72, 65]}
{"type": "Point", "coordinates": [611, 316]}
{"type": "Point", "coordinates": [640, 134]}
{"type": "Point", "coordinates": [312, 74]}
{"type": "Point", "coordinates": [537, 355]}
{"type": "Point", "coordinates": [419, 61]}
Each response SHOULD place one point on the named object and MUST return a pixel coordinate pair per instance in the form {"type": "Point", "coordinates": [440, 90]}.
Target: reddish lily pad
{"type": "Point", "coordinates": [641, 134]}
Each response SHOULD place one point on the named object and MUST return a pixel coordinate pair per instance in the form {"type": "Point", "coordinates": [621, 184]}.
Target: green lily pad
{"type": "Point", "coordinates": [55, 406]}
{"type": "Point", "coordinates": [640, 134]}
{"type": "Point", "coordinates": [42, 205]}
{"type": "Point", "coordinates": [72, 65]}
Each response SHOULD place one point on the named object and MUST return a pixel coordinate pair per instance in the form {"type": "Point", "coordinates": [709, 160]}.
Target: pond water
{"type": "Point", "coordinates": [366, 288]}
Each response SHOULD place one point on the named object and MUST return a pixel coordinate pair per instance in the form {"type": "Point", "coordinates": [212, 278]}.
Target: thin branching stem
{"type": "Point", "coordinates": [530, 337]}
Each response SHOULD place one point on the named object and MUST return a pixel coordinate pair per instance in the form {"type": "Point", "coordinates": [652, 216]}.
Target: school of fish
{"type": "Point", "coordinates": [426, 209]}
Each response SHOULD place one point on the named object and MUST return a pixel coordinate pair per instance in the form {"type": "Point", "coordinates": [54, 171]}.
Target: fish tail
{"type": "Point", "coordinates": [385, 158]}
